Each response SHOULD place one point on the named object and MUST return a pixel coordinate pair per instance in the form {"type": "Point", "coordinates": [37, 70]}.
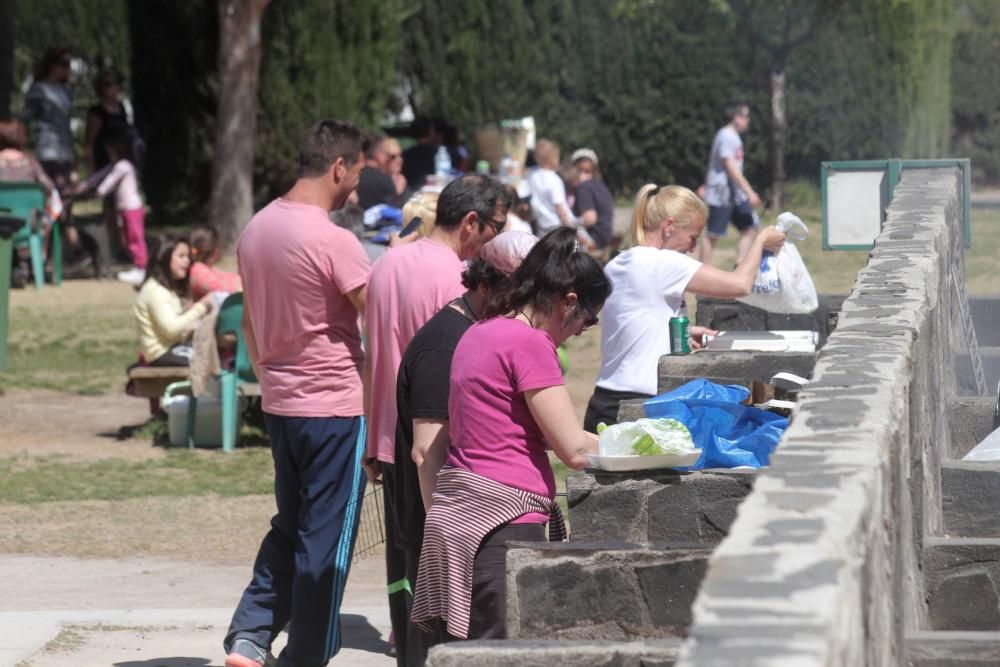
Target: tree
{"type": "Point", "coordinates": [780, 27]}
{"type": "Point", "coordinates": [8, 16]}
{"type": "Point", "coordinates": [321, 60]}
{"type": "Point", "coordinates": [231, 204]}
{"type": "Point", "coordinates": [975, 107]}
{"type": "Point", "coordinates": [174, 92]}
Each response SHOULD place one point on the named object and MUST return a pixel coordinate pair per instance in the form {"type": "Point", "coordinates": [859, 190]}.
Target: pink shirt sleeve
{"type": "Point", "coordinates": [534, 362]}
{"type": "Point", "coordinates": [350, 266]}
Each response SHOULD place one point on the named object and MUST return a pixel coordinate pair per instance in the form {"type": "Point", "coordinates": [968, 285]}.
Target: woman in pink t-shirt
{"type": "Point", "coordinates": [507, 407]}
{"type": "Point", "coordinates": [205, 252]}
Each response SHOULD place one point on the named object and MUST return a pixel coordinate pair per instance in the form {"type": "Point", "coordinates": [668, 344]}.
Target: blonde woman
{"type": "Point", "coordinates": [650, 281]}
{"type": "Point", "coordinates": [422, 205]}
{"type": "Point", "coordinates": [548, 191]}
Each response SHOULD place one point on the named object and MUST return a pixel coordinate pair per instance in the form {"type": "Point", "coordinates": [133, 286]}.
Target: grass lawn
{"type": "Point", "coordinates": [246, 471]}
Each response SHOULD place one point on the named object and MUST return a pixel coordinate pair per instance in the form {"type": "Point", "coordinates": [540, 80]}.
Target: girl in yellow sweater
{"type": "Point", "coordinates": [163, 312]}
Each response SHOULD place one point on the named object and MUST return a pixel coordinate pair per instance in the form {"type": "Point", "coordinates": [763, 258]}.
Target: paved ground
{"type": "Point", "coordinates": [146, 612]}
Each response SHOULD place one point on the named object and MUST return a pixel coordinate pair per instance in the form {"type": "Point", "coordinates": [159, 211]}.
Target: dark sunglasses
{"type": "Point", "coordinates": [497, 225]}
{"type": "Point", "coordinates": [592, 320]}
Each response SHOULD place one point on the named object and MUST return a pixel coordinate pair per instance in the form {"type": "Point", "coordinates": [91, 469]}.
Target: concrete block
{"type": "Point", "coordinates": [599, 590]}
{"type": "Point", "coordinates": [630, 410]}
{"type": "Point", "coordinates": [536, 653]}
{"type": "Point", "coordinates": [961, 576]}
{"type": "Point", "coordinates": [970, 419]}
{"type": "Point", "coordinates": [730, 367]}
{"type": "Point", "coordinates": [952, 649]}
{"type": "Point", "coordinates": [731, 315]}
{"type": "Point", "coordinates": [985, 312]}
{"type": "Point", "coordinates": [990, 357]}
{"type": "Point", "coordinates": [656, 506]}
{"type": "Point", "coordinates": [971, 499]}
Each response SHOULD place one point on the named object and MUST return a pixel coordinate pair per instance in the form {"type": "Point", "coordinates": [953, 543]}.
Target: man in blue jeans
{"type": "Point", "coordinates": [304, 282]}
{"type": "Point", "coordinates": [727, 191]}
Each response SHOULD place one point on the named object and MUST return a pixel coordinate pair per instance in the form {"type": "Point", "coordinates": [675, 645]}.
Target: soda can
{"type": "Point", "coordinates": [679, 341]}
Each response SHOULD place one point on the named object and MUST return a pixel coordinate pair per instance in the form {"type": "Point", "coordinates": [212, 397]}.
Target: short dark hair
{"type": "Point", "coordinates": [326, 141]}
{"type": "Point", "coordinates": [106, 76]}
{"type": "Point", "coordinates": [554, 267]}
{"type": "Point", "coordinates": [473, 192]}
{"type": "Point", "coordinates": [53, 55]}
{"type": "Point", "coordinates": [204, 241]}
{"type": "Point", "coordinates": [375, 140]}
{"type": "Point", "coordinates": [12, 134]}
{"type": "Point", "coordinates": [159, 264]}
{"type": "Point", "coordinates": [734, 107]}
{"type": "Point", "coordinates": [421, 127]}
{"type": "Point", "coordinates": [481, 274]}
{"type": "Point", "coordinates": [119, 141]}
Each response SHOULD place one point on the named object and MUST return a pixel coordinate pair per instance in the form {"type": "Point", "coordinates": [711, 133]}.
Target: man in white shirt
{"type": "Point", "coordinates": [729, 196]}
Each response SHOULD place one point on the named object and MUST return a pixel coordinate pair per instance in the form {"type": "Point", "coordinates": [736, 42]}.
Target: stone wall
{"type": "Point", "coordinates": [821, 566]}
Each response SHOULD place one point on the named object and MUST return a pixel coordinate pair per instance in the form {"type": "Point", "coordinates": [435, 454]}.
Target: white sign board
{"type": "Point", "coordinates": [855, 207]}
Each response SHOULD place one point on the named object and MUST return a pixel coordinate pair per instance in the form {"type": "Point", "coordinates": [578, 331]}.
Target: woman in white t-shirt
{"type": "Point", "coordinates": [650, 281]}
{"type": "Point", "coordinates": [548, 192]}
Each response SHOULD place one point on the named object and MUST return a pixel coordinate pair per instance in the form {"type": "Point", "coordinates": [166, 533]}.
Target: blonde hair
{"type": "Point", "coordinates": [653, 205]}
{"type": "Point", "coordinates": [547, 154]}
{"type": "Point", "coordinates": [421, 205]}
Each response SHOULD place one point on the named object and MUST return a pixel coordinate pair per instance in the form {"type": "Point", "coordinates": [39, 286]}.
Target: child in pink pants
{"type": "Point", "coordinates": [123, 181]}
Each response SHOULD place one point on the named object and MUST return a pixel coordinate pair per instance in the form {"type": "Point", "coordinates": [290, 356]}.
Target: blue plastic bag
{"type": "Point", "coordinates": [728, 433]}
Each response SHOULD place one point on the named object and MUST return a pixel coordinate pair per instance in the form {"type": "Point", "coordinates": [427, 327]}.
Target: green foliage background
{"type": "Point", "coordinates": [640, 81]}
{"type": "Point", "coordinates": [976, 82]}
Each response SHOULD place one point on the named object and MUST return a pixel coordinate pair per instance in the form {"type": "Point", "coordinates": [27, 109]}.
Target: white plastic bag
{"type": "Point", "coordinates": [783, 285]}
{"type": "Point", "coordinates": [646, 437]}
{"type": "Point", "coordinates": [987, 450]}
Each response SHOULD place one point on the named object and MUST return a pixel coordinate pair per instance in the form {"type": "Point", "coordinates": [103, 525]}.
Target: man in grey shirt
{"type": "Point", "coordinates": [727, 192]}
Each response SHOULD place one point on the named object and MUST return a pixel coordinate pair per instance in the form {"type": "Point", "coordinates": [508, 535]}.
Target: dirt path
{"type": "Point", "coordinates": [41, 423]}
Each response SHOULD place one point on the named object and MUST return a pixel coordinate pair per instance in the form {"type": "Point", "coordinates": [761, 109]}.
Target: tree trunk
{"type": "Point", "coordinates": [8, 15]}
{"type": "Point", "coordinates": [231, 205]}
{"type": "Point", "coordinates": [779, 136]}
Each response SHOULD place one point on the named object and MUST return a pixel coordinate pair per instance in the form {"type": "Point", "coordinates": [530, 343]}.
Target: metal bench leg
{"type": "Point", "coordinates": [229, 407]}
{"type": "Point", "coordinates": [192, 415]}
{"type": "Point", "coordinates": [57, 258]}
{"type": "Point", "coordinates": [37, 261]}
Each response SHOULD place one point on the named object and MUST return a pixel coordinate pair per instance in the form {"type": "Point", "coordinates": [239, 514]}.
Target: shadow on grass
{"type": "Point", "coordinates": [156, 431]}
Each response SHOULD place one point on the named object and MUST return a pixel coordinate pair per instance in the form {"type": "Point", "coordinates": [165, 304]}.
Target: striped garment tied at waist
{"type": "Point", "coordinates": [466, 507]}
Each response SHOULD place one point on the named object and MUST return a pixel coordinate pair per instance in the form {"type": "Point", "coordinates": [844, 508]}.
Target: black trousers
{"type": "Point", "coordinates": [401, 562]}
{"type": "Point", "coordinates": [488, 618]}
{"type": "Point", "coordinates": [603, 407]}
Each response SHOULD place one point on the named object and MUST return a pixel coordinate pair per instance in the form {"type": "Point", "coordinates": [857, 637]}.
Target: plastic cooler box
{"type": "Point", "coordinates": [208, 419]}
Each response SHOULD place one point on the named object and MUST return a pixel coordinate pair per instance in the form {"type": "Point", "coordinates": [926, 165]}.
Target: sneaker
{"type": "Point", "coordinates": [133, 276]}
{"type": "Point", "coordinates": [245, 653]}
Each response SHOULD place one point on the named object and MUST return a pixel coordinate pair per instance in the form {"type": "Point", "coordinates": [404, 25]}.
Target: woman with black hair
{"type": "Point", "coordinates": [163, 320]}
{"type": "Point", "coordinates": [508, 405]}
{"type": "Point", "coordinates": [422, 397]}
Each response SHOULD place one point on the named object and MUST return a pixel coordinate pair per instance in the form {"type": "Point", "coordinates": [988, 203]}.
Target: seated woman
{"type": "Point", "coordinates": [203, 275]}
{"type": "Point", "coordinates": [164, 315]}
{"type": "Point", "coordinates": [650, 281]}
{"type": "Point", "coordinates": [507, 405]}
{"type": "Point", "coordinates": [16, 165]}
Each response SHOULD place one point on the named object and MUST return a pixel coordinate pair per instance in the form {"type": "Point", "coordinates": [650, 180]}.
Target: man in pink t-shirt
{"type": "Point", "coordinates": [408, 285]}
{"type": "Point", "coordinates": [304, 284]}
